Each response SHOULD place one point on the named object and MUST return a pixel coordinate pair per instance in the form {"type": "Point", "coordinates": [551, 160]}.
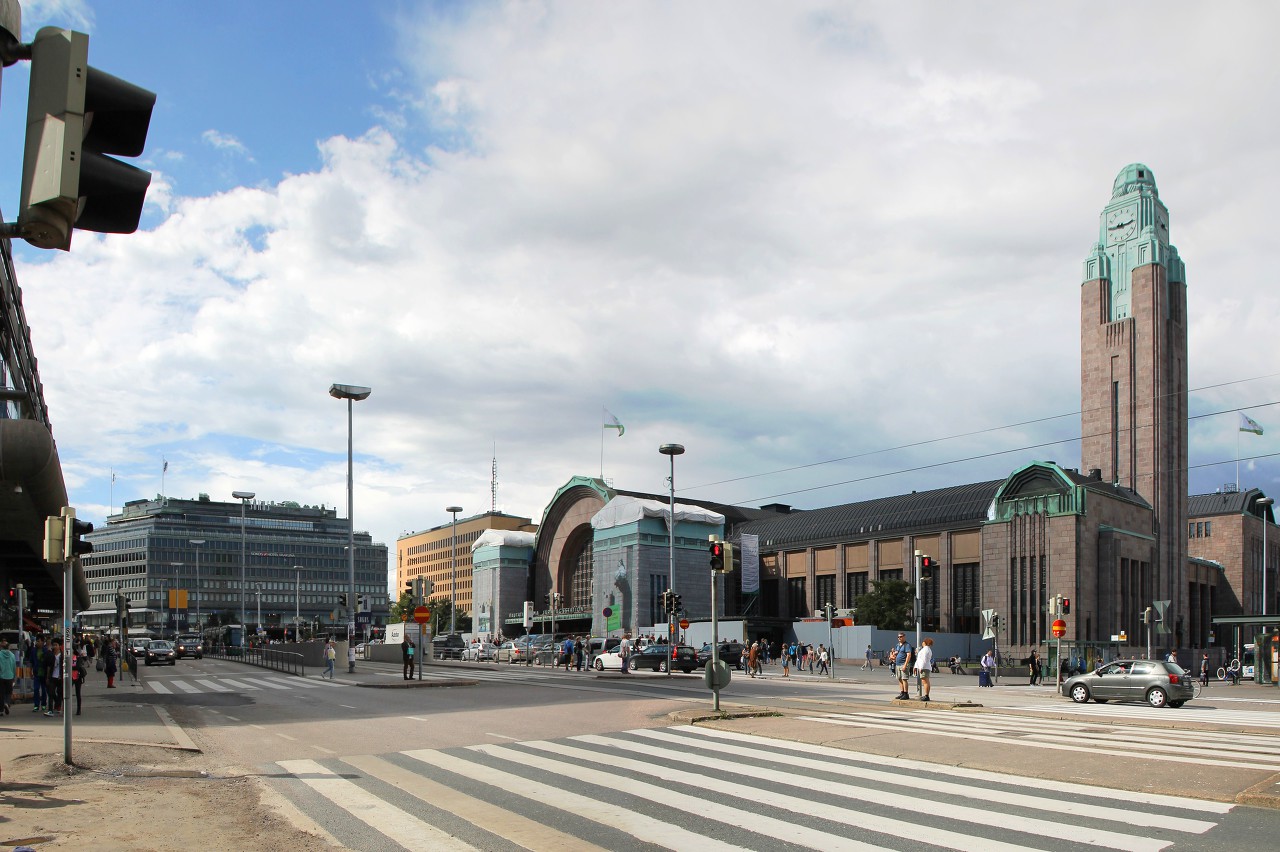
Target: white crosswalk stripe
{"type": "Point", "coordinates": [1243, 751]}
{"type": "Point", "coordinates": [1187, 713]}
{"type": "Point", "coordinates": [192, 685]}
{"type": "Point", "coordinates": [694, 788]}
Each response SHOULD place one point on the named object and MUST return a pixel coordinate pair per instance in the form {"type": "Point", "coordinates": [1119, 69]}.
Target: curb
{"type": "Point", "coordinates": [417, 684]}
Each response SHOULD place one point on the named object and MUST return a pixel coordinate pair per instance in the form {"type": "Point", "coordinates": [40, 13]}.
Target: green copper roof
{"type": "Point", "coordinates": [1132, 177]}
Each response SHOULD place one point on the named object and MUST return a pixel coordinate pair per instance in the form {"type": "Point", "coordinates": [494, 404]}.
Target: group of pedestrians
{"type": "Point", "coordinates": [908, 660]}
{"type": "Point", "coordinates": [44, 658]}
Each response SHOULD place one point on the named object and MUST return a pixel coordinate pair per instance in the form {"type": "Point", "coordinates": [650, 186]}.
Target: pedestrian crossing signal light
{"type": "Point", "coordinates": [717, 556]}
{"type": "Point", "coordinates": [1066, 606]}
{"type": "Point", "coordinates": [78, 120]}
{"type": "Point", "coordinates": [74, 532]}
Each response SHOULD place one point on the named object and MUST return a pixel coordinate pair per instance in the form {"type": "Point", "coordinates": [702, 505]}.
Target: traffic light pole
{"type": "Point", "coordinates": [67, 641]}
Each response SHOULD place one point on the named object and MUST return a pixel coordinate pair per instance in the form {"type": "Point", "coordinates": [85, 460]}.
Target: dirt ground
{"type": "Point", "coordinates": [141, 799]}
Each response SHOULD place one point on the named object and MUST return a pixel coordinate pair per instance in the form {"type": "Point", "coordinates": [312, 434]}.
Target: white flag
{"type": "Point", "coordinates": [1248, 424]}
{"type": "Point", "coordinates": [612, 422]}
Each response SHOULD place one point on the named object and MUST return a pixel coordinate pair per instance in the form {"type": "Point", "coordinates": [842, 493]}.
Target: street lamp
{"type": "Point", "coordinates": [352, 394]}
{"type": "Point", "coordinates": [1265, 503]}
{"type": "Point", "coordinates": [453, 583]}
{"type": "Point", "coordinates": [164, 605]}
{"type": "Point", "coordinates": [197, 543]}
{"type": "Point", "coordinates": [257, 591]}
{"type": "Point", "coordinates": [297, 605]}
{"type": "Point", "coordinates": [244, 497]}
{"type": "Point", "coordinates": [671, 451]}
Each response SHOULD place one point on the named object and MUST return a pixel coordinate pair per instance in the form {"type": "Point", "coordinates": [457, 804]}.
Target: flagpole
{"type": "Point", "coordinates": [1237, 460]}
{"type": "Point", "coordinates": [602, 427]}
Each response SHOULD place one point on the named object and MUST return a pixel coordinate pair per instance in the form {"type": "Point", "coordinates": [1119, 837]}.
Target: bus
{"type": "Point", "coordinates": [1248, 660]}
{"type": "Point", "coordinates": [225, 639]}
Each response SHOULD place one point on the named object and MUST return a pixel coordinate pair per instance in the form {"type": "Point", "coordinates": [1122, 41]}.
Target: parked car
{"type": "Point", "coordinates": [448, 647]}
{"type": "Point", "coordinates": [160, 652]}
{"type": "Point", "coordinates": [608, 661]}
{"type": "Point", "coordinates": [505, 653]}
{"type": "Point", "coordinates": [479, 651]}
{"type": "Point", "coordinates": [189, 645]}
{"type": "Point", "coordinates": [731, 652]}
{"type": "Point", "coordinates": [1159, 683]}
{"type": "Point", "coordinates": [658, 657]}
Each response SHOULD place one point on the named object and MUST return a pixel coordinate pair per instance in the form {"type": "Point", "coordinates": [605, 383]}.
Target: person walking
{"type": "Point", "coordinates": [566, 652]}
{"type": "Point", "coordinates": [1033, 666]}
{"type": "Point", "coordinates": [330, 655]}
{"type": "Point", "coordinates": [867, 663]}
{"type": "Point", "coordinates": [79, 669]}
{"type": "Point", "coordinates": [624, 651]}
{"type": "Point", "coordinates": [579, 652]}
{"type": "Point", "coordinates": [753, 658]}
{"type": "Point", "coordinates": [8, 674]}
{"type": "Point", "coordinates": [1204, 670]}
{"type": "Point", "coordinates": [110, 656]}
{"type": "Point", "coordinates": [923, 666]}
{"type": "Point", "coordinates": [786, 664]}
{"type": "Point", "coordinates": [406, 657]}
{"type": "Point", "coordinates": [53, 678]}
{"type": "Point", "coordinates": [35, 659]}
{"type": "Point", "coordinates": [902, 655]}
{"type": "Point", "coordinates": [824, 663]}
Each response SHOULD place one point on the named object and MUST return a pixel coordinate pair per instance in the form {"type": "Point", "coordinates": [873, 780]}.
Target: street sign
{"type": "Point", "coordinates": [608, 611]}
{"type": "Point", "coordinates": [684, 624]}
{"type": "Point", "coordinates": [422, 615]}
{"type": "Point", "coordinates": [717, 676]}
{"type": "Point", "coordinates": [1059, 629]}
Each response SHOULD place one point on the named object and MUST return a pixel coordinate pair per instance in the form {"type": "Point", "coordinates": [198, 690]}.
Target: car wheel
{"type": "Point", "coordinates": [1080, 693]}
{"type": "Point", "coordinates": [662, 666]}
{"type": "Point", "coordinates": [687, 671]}
{"type": "Point", "coordinates": [1157, 697]}
{"type": "Point", "coordinates": [1176, 703]}
{"type": "Point", "coordinates": [1102, 700]}
{"type": "Point", "coordinates": [599, 666]}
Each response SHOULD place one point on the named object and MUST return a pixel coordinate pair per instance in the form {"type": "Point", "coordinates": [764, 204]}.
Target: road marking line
{"type": "Point", "coordinates": [510, 826]}
{"type": "Point", "coordinates": [176, 730]}
{"type": "Point", "coordinates": [161, 688]}
{"type": "Point", "coordinates": [241, 684]}
{"type": "Point", "coordinates": [402, 827]}
{"type": "Point", "coordinates": [286, 737]}
{"type": "Point", "coordinates": [503, 736]}
{"type": "Point", "coordinates": [214, 685]}
{"type": "Point", "coordinates": [348, 706]}
{"type": "Point", "coordinates": [323, 749]}
{"type": "Point", "coordinates": [598, 809]}
{"type": "Point", "coordinates": [185, 687]}
{"type": "Point", "coordinates": [951, 788]}
{"type": "Point", "coordinates": [233, 718]}
{"type": "Point", "coordinates": [264, 682]}
{"type": "Point", "coordinates": [976, 774]}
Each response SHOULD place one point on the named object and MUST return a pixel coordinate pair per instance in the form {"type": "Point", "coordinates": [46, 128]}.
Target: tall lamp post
{"type": "Point", "coordinates": [197, 543]}
{"type": "Point", "coordinates": [244, 497]}
{"type": "Point", "coordinates": [297, 604]}
{"type": "Point", "coordinates": [453, 583]}
{"type": "Point", "coordinates": [257, 591]}
{"type": "Point", "coordinates": [671, 451]}
{"type": "Point", "coordinates": [352, 394]}
{"type": "Point", "coordinates": [1265, 503]}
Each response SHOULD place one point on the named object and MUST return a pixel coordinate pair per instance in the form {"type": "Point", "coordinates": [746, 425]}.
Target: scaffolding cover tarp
{"type": "Point", "coordinates": [621, 511]}
{"type": "Point", "coordinates": [502, 538]}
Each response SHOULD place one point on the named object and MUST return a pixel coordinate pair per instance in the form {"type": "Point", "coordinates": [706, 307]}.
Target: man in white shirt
{"type": "Point", "coordinates": [624, 651]}
{"type": "Point", "coordinates": [923, 666]}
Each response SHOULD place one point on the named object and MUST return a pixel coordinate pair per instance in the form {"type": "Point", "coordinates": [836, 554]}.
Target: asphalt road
{"type": "Point", "coordinates": [378, 765]}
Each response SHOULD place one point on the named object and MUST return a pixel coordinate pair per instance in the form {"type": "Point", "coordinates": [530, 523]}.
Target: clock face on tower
{"type": "Point", "coordinates": [1121, 224]}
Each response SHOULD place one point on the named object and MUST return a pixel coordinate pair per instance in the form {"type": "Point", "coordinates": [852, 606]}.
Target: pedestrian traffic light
{"type": "Point", "coordinates": [73, 541]}
{"type": "Point", "coordinates": [54, 533]}
{"type": "Point", "coordinates": [1066, 606]}
{"type": "Point", "coordinates": [677, 603]}
{"type": "Point", "coordinates": [717, 556]}
{"type": "Point", "coordinates": [928, 562]}
{"type": "Point", "coordinates": [77, 116]}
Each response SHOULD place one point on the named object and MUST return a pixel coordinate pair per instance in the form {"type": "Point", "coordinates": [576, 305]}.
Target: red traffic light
{"type": "Point", "coordinates": [717, 556]}
{"type": "Point", "coordinates": [1066, 606]}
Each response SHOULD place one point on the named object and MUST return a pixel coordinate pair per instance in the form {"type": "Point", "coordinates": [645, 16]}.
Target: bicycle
{"type": "Point", "coordinates": [1231, 672]}
{"type": "Point", "coordinates": [1196, 686]}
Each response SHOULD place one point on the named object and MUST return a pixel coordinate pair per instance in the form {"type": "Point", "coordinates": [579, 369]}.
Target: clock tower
{"type": "Point", "coordinates": [1133, 379]}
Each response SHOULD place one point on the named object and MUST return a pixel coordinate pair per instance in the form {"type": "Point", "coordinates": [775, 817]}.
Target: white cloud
{"type": "Point", "coordinates": [226, 142]}
{"type": "Point", "coordinates": [776, 234]}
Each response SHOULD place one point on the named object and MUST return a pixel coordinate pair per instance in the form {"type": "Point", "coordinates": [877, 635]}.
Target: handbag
{"type": "Point", "coordinates": [98, 664]}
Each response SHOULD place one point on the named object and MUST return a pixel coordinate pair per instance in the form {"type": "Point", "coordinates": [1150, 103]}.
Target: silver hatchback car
{"type": "Point", "coordinates": [1156, 682]}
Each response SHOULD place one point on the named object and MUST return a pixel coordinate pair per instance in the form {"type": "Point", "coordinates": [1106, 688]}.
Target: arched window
{"type": "Point", "coordinates": [578, 563]}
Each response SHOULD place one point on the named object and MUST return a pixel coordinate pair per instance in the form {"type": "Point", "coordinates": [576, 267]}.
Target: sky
{"type": "Point", "coordinates": [833, 249]}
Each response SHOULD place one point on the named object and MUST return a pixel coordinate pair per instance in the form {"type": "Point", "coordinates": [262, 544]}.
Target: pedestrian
{"type": "Point", "coordinates": [624, 651]}
{"type": "Point", "coordinates": [786, 664]}
{"type": "Point", "coordinates": [578, 652]}
{"type": "Point", "coordinates": [8, 674]}
{"type": "Point", "coordinates": [988, 669]}
{"type": "Point", "coordinates": [79, 668]}
{"type": "Point", "coordinates": [866, 664]}
{"type": "Point", "coordinates": [753, 658]}
{"type": "Point", "coordinates": [406, 657]}
{"type": "Point", "coordinates": [330, 654]}
{"type": "Point", "coordinates": [131, 665]}
{"type": "Point", "coordinates": [902, 655]}
{"type": "Point", "coordinates": [1033, 665]}
{"type": "Point", "coordinates": [110, 654]}
{"type": "Point", "coordinates": [53, 678]}
{"type": "Point", "coordinates": [923, 666]}
{"type": "Point", "coordinates": [824, 663]}
{"type": "Point", "coordinates": [35, 659]}
{"type": "Point", "coordinates": [566, 652]}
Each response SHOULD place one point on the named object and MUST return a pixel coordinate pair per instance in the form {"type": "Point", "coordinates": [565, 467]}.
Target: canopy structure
{"type": "Point", "coordinates": [622, 510]}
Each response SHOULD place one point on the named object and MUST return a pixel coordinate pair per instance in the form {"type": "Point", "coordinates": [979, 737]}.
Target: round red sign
{"type": "Point", "coordinates": [684, 624]}
{"type": "Point", "coordinates": [1059, 629]}
{"type": "Point", "coordinates": [422, 615]}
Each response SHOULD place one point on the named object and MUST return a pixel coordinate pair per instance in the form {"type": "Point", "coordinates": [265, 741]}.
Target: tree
{"type": "Point", "coordinates": [889, 605]}
{"type": "Point", "coordinates": [401, 608]}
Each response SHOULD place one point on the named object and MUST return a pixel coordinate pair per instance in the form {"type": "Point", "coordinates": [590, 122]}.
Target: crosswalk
{"type": "Point", "coordinates": [191, 685]}
{"type": "Point", "coordinates": [690, 788]}
{"type": "Point", "coordinates": [1188, 713]}
{"type": "Point", "coordinates": [1199, 748]}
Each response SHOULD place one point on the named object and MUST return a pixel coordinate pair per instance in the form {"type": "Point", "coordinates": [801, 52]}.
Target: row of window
{"type": "Point", "coordinates": [1199, 529]}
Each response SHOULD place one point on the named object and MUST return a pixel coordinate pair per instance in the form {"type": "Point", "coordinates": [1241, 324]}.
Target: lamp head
{"type": "Point", "coordinates": [355, 392]}
{"type": "Point", "coordinates": [244, 495]}
{"type": "Point", "coordinates": [671, 449]}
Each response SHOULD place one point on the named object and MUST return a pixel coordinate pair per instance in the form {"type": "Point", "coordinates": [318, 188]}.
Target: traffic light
{"type": "Point", "coordinates": [73, 541]}
{"type": "Point", "coordinates": [928, 562]}
{"type": "Point", "coordinates": [666, 601]}
{"type": "Point", "coordinates": [717, 556]}
{"type": "Point", "coordinates": [77, 116]}
{"type": "Point", "coordinates": [677, 603]}
{"type": "Point", "coordinates": [360, 602]}
{"type": "Point", "coordinates": [728, 557]}
{"type": "Point", "coordinates": [54, 532]}
{"type": "Point", "coordinates": [1066, 606]}
{"type": "Point", "coordinates": [11, 597]}
{"type": "Point", "coordinates": [1148, 615]}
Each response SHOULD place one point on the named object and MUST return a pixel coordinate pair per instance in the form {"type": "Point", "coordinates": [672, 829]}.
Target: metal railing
{"type": "Point", "coordinates": [290, 662]}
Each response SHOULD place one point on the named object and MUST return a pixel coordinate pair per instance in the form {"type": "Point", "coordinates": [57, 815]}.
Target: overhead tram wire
{"type": "Point", "coordinates": [945, 463]}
